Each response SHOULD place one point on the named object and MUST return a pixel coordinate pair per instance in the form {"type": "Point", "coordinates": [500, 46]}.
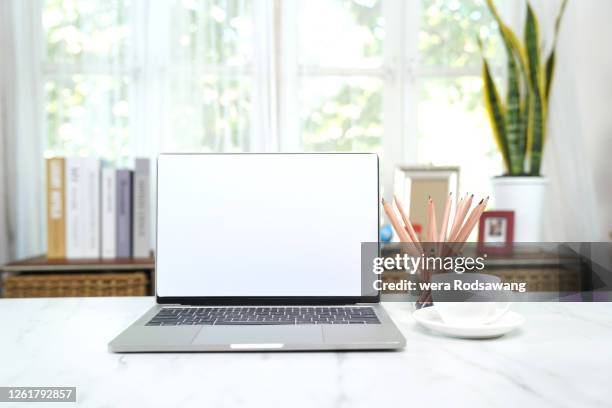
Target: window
{"type": "Point", "coordinates": [340, 81]}
{"type": "Point", "coordinates": [402, 78]}
{"type": "Point", "coordinates": [210, 69]}
{"type": "Point", "coordinates": [87, 77]}
{"type": "Point", "coordinates": [452, 124]}
{"type": "Point", "coordinates": [105, 66]}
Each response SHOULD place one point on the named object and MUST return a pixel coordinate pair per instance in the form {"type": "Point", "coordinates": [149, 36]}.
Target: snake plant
{"type": "Point", "coordinates": [518, 122]}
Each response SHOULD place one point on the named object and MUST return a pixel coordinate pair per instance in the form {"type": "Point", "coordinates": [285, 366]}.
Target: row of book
{"type": "Point", "coordinates": [97, 211]}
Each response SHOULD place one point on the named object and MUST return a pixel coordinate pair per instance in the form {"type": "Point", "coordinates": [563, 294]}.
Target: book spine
{"type": "Point", "coordinates": [109, 213]}
{"type": "Point", "coordinates": [91, 208]}
{"type": "Point", "coordinates": [56, 211]}
{"type": "Point", "coordinates": [124, 213]}
{"type": "Point", "coordinates": [140, 232]}
{"type": "Point", "coordinates": [74, 239]}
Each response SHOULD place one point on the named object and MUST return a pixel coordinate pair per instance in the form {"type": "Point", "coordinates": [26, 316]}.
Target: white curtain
{"type": "Point", "coordinates": [4, 216]}
{"type": "Point", "coordinates": [265, 111]}
{"type": "Point", "coordinates": [576, 157]}
{"type": "Point", "coordinates": [167, 112]}
{"type": "Point", "coordinates": [22, 227]}
{"type": "Point", "coordinates": [177, 102]}
{"type": "Point", "coordinates": [6, 71]}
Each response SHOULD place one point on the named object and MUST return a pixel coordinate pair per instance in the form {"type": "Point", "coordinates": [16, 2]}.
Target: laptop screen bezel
{"type": "Point", "coordinates": [267, 300]}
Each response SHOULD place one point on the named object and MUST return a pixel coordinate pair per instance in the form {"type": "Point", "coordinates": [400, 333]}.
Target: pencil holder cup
{"type": "Point", "coordinates": [430, 264]}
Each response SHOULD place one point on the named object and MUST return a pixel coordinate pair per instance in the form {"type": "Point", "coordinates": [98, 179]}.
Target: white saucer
{"type": "Point", "coordinates": [430, 318]}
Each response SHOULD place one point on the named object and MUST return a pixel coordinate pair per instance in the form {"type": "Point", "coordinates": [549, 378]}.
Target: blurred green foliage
{"type": "Point", "coordinates": [90, 113]}
{"type": "Point", "coordinates": [447, 42]}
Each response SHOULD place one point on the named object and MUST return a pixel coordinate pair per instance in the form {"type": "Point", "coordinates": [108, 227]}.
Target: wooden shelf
{"type": "Point", "coordinates": [42, 264]}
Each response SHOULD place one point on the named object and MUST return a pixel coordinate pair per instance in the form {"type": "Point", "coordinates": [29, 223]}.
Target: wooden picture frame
{"type": "Point", "coordinates": [413, 185]}
{"type": "Point", "coordinates": [496, 232]}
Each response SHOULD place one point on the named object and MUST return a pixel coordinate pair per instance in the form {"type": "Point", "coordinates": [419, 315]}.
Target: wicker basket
{"type": "Point", "coordinates": [541, 279]}
{"type": "Point", "coordinates": [76, 285]}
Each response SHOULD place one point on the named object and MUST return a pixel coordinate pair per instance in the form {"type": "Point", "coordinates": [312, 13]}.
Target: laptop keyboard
{"type": "Point", "coordinates": [256, 316]}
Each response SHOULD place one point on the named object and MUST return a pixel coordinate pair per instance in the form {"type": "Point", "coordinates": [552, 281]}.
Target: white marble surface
{"type": "Point", "coordinates": [561, 358]}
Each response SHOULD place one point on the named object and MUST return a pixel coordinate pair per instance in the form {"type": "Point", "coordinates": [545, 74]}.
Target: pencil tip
{"type": "Point", "coordinates": [382, 200]}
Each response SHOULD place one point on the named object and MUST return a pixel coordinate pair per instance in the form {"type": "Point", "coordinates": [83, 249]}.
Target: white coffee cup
{"type": "Point", "coordinates": [471, 313]}
{"type": "Point", "coordinates": [468, 313]}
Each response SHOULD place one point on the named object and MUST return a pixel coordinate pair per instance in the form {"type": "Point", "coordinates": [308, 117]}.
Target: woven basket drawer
{"type": "Point", "coordinates": [542, 279]}
{"type": "Point", "coordinates": [76, 285]}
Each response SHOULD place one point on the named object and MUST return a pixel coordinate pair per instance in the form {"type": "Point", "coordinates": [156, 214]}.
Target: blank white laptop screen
{"type": "Point", "coordinates": [242, 225]}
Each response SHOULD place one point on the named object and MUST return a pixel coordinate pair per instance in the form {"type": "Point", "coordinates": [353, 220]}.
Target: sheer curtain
{"type": "Point", "coordinates": [576, 159]}
{"type": "Point", "coordinates": [5, 29]}
{"type": "Point", "coordinates": [197, 83]}
{"type": "Point", "coordinates": [22, 226]}
{"type": "Point", "coordinates": [4, 216]}
{"type": "Point", "coordinates": [205, 78]}
{"type": "Point", "coordinates": [189, 76]}
{"type": "Point", "coordinates": [208, 69]}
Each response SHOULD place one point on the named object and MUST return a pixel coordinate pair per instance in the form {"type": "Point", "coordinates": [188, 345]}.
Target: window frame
{"type": "Point", "coordinates": [276, 73]}
{"type": "Point", "coordinates": [401, 73]}
{"type": "Point", "coordinates": [397, 73]}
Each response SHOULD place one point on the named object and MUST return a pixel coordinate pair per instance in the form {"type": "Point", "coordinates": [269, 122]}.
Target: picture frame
{"type": "Point", "coordinates": [496, 232]}
{"type": "Point", "coordinates": [414, 184]}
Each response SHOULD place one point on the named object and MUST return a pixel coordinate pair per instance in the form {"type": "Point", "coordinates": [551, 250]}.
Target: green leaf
{"type": "Point", "coordinates": [550, 63]}
{"type": "Point", "coordinates": [514, 129]}
{"type": "Point", "coordinates": [515, 122]}
{"type": "Point", "coordinates": [537, 106]}
{"type": "Point", "coordinates": [510, 39]}
{"type": "Point", "coordinates": [550, 72]}
{"type": "Point", "coordinates": [525, 117]}
{"type": "Point", "coordinates": [495, 110]}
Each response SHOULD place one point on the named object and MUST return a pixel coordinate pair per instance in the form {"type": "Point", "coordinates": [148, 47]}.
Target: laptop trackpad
{"type": "Point", "coordinates": [249, 335]}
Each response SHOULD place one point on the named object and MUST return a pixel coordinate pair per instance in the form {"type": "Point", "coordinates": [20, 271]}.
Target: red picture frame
{"type": "Point", "coordinates": [496, 232]}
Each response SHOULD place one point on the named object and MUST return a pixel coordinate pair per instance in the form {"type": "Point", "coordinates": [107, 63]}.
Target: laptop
{"type": "Point", "coordinates": [264, 252]}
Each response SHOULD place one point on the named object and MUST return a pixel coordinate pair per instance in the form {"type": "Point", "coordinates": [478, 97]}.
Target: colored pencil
{"type": "Point", "coordinates": [408, 224]}
{"type": "Point", "coordinates": [460, 217]}
{"type": "Point", "coordinates": [458, 209]}
{"type": "Point", "coordinates": [472, 221]}
{"type": "Point", "coordinates": [397, 226]}
{"type": "Point", "coordinates": [432, 234]}
{"type": "Point", "coordinates": [443, 229]}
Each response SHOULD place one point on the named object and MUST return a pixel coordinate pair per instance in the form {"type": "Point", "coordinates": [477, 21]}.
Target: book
{"type": "Point", "coordinates": [124, 213]}
{"type": "Point", "coordinates": [73, 217]}
{"type": "Point", "coordinates": [91, 208]}
{"type": "Point", "coordinates": [56, 220]}
{"type": "Point", "coordinates": [141, 221]}
{"type": "Point", "coordinates": [108, 208]}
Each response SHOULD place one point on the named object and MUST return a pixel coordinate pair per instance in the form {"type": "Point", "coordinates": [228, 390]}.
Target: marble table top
{"type": "Point", "coordinates": [561, 357]}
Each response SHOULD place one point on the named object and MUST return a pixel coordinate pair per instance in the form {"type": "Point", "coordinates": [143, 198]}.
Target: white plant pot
{"type": "Point", "coordinates": [525, 196]}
